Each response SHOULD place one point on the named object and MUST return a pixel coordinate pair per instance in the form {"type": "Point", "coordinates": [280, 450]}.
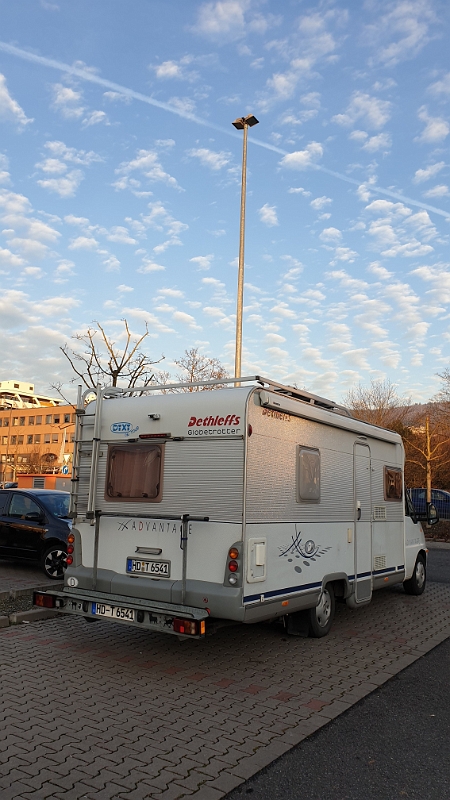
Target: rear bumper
{"type": "Point", "coordinates": [150, 615]}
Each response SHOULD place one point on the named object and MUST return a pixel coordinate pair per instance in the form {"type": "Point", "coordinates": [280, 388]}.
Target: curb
{"type": "Point", "coordinates": [27, 616]}
{"type": "Point", "coordinates": [433, 545]}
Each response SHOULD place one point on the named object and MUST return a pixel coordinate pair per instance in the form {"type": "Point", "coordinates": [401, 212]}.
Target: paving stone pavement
{"type": "Point", "coordinates": [104, 712]}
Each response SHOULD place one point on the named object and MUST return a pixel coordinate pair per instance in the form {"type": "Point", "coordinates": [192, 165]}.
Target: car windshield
{"type": "Point", "coordinates": [57, 504]}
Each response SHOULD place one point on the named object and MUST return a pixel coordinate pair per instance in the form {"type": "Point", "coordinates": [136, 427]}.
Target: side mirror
{"type": "Point", "coordinates": [432, 515]}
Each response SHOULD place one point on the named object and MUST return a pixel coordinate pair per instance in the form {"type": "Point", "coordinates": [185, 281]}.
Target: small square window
{"type": "Point", "coordinates": [308, 475]}
{"type": "Point", "coordinates": [21, 420]}
{"type": "Point", "coordinates": [4, 440]}
{"type": "Point", "coordinates": [56, 419]}
{"type": "Point", "coordinates": [13, 439]}
{"type": "Point", "coordinates": [30, 439]}
{"type": "Point", "coordinates": [46, 438]}
{"type": "Point", "coordinates": [66, 417]}
{"type": "Point", "coordinates": [37, 438]}
{"type": "Point", "coordinates": [30, 420]}
{"type": "Point", "coordinates": [134, 472]}
{"type": "Point", "coordinates": [48, 419]}
{"type": "Point", "coordinates": [15, 421]}
{"type": "Point", "coordinates": [393, 483]}
{"type": "Point", "coordinates": [39, 419]}
{"type": "Point", "coordinates": [6, 422]}
{"type": "Point", "coordinates": [20, 440]}
{"type": "Point", "coordinates": [54, 437]}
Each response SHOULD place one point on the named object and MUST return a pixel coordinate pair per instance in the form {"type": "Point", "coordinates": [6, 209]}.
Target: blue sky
{"type": "Point", "coordinates": [120, 184]}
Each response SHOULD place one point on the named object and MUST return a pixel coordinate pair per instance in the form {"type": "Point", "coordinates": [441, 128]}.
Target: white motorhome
{"type": "Point", "coordinates": [243, 504]}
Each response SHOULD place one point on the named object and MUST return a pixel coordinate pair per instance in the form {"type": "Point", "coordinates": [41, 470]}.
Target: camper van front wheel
{"type": "Point", "coordinates": [416, 584]}
{"type": "Point", "coordinates": [321, 617]}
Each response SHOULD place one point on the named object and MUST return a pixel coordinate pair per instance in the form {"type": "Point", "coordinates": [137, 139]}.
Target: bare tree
{"type": "Point", "coordinates": [378, 404]}
{"type": "Point", "coordinates": [197, 367]}
{"type": "Point", "coordinates": [427, 442]}
{"type": "Point", "coordinates": [98, 359]}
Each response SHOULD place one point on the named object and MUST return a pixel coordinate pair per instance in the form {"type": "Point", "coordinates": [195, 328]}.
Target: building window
{"type": "Point", "coordinates": [13, 439]}
{"type": "Point", "coordinates": [74, 418]}
{"type": "Point", "coordinates": [20, 440]}
{"type": "Point", "coordinates": [48, 419]}
{"type": "Point", "coordinates": [37, 438]}
{"type": "Point", "coordinates": [21, 420]}
{"type": "Point", "coordinates": [4, 440]}
{"type": "Point", "coordinates": [15, 421]}
{"type": "Point", "coordinates": [6, 422]}
{"type": "Point", "coordinates": [56, 420]}
{"type": "Point", "coordinates": [46, 438]}
{"type": "Point", "coordinates": [308, 475]}
{"type": "Point", "coordinates": [39, 419]}
{"type": "Point", "coordinates": [66, 417]}
{"type": "Point", "coordinates": [72, 437]}
{"type": "Point", "coordinates": [393, 483]}
{"type": "Point", "coordinates": [134, 472]}
{"type": "Point", "coordinates": [30, 439]}
{"type": "Point", "coordinates": [54, 437]}
{"type": "Point", "coordinates": [30, 420]}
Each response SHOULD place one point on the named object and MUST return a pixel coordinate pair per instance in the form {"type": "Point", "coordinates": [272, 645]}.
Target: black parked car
{"type": "Point", "coordinates": [34, 524]}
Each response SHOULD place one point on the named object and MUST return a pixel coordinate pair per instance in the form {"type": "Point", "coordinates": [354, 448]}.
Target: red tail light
{"type": "Point", "coordinates": [69, 560]}
{"type": "Point", "coordinates": [44, 600]}
{"type": "Point", "coordinates": [186, 626]}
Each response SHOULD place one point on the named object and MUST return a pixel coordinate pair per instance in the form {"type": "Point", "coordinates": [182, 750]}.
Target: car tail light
{"type": "Point", "coordinates": [44, 600]}
{"type": "Point", "coordinates": [70, 548]}
{"type": "Point", "coordinates": [186, 626]}
{"type": "Point", "coordinates": [71, 538]}
{"type": "Point", "coordinates": [233, 552]}
{"type": "Point", "coordinates": [69, 560]}
{"type": "Point", "coordinates": [233, 566]}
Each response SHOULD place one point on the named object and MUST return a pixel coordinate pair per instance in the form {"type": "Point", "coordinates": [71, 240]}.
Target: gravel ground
{"type": "Point", "coordinates": [22, 603]}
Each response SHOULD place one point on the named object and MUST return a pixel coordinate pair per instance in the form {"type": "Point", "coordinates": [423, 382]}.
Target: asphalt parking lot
{"type": "Point", "coordinates": [101, 711]}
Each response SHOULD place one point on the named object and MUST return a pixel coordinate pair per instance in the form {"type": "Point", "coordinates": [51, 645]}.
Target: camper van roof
{"type": "Point", "coordinates": [288, 391]}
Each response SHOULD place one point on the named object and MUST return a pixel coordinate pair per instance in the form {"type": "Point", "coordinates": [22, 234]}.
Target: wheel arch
{"type": "Point", "coordinates": [340, 583]}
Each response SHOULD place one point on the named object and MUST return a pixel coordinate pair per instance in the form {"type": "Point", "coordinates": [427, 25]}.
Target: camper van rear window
{"type": "Point", "coordinates": [393, 483]}
{"type": "Point", "coordinates": [308, 475]}
{"type": "Point", "coordinates": [134, 473]}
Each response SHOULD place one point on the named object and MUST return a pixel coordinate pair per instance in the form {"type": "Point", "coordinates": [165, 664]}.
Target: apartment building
{"type": "Point", "coordinates": [36, 432]}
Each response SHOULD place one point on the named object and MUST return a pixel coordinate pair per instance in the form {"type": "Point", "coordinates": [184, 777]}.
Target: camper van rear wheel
{"type": "Point", "coordinates": [321, 617]}
{"type": "Point", "coordinates": [416, 584]}
{"type": "Point", "coordinates": [54, 562]}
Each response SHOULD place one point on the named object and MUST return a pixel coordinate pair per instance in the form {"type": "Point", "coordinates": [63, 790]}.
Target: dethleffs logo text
{"type": "Point", "coordinates": [214, 426]}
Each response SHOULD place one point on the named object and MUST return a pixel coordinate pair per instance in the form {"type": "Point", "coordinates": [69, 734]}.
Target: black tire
{"type": "Point", "coordinates": [416, 584]}
{"type": "Point", "coordinates": [321, 617]}
{"type": "Point", "coordinates": [54, 562]}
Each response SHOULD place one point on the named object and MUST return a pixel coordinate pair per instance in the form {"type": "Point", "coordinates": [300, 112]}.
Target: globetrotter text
{"type": "Point", "coordinates": [214, 426]}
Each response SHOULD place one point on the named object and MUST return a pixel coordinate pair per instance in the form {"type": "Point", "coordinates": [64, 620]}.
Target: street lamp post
{"type": "Point", "coordinates": [242, 123]}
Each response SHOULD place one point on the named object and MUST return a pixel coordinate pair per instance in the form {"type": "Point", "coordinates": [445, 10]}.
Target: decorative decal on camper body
{"type": "Point", "coordinates": [123, 427]}
{"type": "Point", "coordinates": [309, 550]}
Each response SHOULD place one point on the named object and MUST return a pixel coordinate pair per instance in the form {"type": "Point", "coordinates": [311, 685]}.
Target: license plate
{"type": "Point", "coordinates": [115, 612]}
{"type": "Point", "coordinates": [160, 569]}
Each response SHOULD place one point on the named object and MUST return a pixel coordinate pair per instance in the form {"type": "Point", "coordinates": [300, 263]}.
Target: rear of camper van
{"type": "Point", "coordinates": [242, 504]}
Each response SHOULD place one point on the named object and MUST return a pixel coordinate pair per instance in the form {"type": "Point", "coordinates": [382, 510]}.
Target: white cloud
{"type": "Point", "coordinates": [120, 235]}
{"type": "Point", "coordinates": [95, 118]}
{"type": "Point", "coordinates": [379, 271]}
{"type": "Point", "coordinates": [10, 109]}
{"type": "Point", "coordinates": [299, 190]}
{"type": "Point", "coordinates": [150, 266]}
{"type": "Point", "coordinates": [373, 111]}
{"type": "Point", "coordinates": [320, 202]}
{"type": "Point", "coordinates": [442, 86]}
{"type": "Point", "coordinates": [147, 162]}
{"type": "Point", "coordinates": [9, 259]}
{"type": "Point", "coordinates": [67, 101]}
{"type": "Point", "coordinates": [209, 158]}
{"type": "Point", "coordinates": [72, 155]}
{"type": "Point", "coordinates": [441, 190]}
{"type": "Point", "coordinates": [170, 70]}
{"type": "Point", "coordinates": [124, 288]}
{"type": "Point", "coordinates": [223, 20]}
{"type": "Point", "coordinates": [401, 32]}
{"type": "Point", "coordinates": [301, 159]}
{"type": "Point", "coordinates": [186, 319]}
{"type": "Point", "coordinates": [65, 186]}
{"type": "Point", "coordinates": [83, 243]}
{"type": "Point", "coordinates": [436, 128]}
{"type": "Point", "coordinates": [203, 262]}
{"type": "Point", "coordinates": [331, 235]}
{"type": "Point", "coordinates": [381, 141]}
{"type": "Point", "coordinates": [268, 215]}
{"type": "Point", "coordinates": [422, 175]}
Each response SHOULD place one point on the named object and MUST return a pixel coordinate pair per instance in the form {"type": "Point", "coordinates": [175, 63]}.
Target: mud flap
{"type": "Point", "coordinates": [297, 624]}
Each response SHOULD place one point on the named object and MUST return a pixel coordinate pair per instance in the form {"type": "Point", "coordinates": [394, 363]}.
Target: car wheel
{"type": "Point", "coordinates": [416, 584]}
{"type": "Point", "coordinates": [54, 562]}
{"type": "Point", "coordinates": [321, 617]}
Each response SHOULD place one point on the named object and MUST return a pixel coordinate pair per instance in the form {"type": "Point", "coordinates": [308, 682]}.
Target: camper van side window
{"type": "Point", "coordinates": [393, 483]}
{"type": "Point", "coordinates": [134, 473]}
{"type": "Point", "coordinates": [308, 475]}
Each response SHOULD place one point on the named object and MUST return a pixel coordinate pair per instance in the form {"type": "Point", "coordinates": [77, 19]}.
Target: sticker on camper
{"type": "Point", "coordinates": [215, 426]}
{"type": "Point", "coordinates": [304, 552]}
{"type": "Point", "coordinates": [123, 427]}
